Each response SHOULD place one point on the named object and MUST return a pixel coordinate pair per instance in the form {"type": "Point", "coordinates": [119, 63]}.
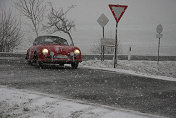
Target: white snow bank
{"type": "Point", "coordinates": [166, 70]}
{"type": "Point", "coordinates": [26, 104]}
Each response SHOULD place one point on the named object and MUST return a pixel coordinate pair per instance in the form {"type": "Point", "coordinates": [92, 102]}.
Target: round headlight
{"type": "Point", "coordinates": [45, 51]}
{"type": "Point", "coordinates": [76, 52]}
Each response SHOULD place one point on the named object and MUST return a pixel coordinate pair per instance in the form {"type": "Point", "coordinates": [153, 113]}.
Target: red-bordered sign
{"type": "Point", "coordinates": [117, 11]}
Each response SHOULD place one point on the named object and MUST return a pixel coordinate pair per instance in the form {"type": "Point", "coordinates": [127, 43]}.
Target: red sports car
{"type": "Point", "coordinates": [53, 49]}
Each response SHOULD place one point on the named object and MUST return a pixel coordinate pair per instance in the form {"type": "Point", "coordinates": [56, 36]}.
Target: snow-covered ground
{"type": "Point", "coordinates": [165, 70]}
{"type": "Point", "coordinates": [15, 103]}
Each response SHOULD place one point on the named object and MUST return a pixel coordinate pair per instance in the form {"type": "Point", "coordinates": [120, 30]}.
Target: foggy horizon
{"type": "Point", "coordinates": [137, 26]}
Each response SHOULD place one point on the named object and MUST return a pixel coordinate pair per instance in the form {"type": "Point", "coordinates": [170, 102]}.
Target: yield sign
{"type": "Point", "coordinates": [117, 11]}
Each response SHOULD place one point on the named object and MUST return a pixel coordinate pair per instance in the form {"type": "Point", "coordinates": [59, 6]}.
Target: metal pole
{"type": "Point", "coordinates": [103, 52]}
{"type": "Point", "coordinates": [103, 32]}
{"type": "Point", "coordinates": [102, 48]}
{"type": "Point", "coordinates": [158, 50]}
{"type": "Point", "coordinates": [115, 52]}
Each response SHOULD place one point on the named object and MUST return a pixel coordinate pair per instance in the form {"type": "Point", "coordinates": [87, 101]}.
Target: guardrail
{"type": "Point", "coordinates": [106, 57]}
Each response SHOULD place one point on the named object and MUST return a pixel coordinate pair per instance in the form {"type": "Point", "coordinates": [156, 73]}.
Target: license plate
{"type": "Point", "coordinates": [61, 57]}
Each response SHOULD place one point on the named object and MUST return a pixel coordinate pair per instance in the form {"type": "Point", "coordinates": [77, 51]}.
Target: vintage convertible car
{"type": "Point", "coordinates": [55, 50]}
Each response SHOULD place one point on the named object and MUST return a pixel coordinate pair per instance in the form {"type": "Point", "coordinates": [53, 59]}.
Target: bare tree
{"type": "Point", "coordinates": [33, 10]}
{"type": "Point", "coordinates": [57, 22]}
{"type": "Point", "coordinates": [96, 47]}
{"type": "Point", "coordinates": [10, 32]}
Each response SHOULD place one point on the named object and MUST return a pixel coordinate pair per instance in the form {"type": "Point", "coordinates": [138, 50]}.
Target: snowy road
{"type": "Point", "coordinates": [141, 94]}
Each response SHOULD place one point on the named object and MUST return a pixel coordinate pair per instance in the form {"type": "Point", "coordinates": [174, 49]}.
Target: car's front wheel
{"type": "Point", "coordinates": [35, 60]}
{"type": "Point", "coordinates": [28, 61]}
{"type": "Point", "coordinates": [74, 65]}
{"type": "Point", "coordinates": [62, 64]}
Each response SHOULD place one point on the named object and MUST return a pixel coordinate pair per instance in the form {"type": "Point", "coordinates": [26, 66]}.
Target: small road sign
{"type": "Point", "coordinates": [103, 20]}
{"type": "Point", "coordinates": [159, 28]}
{"type": "Point", "coordinates": [107, 42]}
{"type": "Point", "coordinates": [117, 11]}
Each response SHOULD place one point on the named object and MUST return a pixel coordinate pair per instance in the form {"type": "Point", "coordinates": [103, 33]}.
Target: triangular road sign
{"type": "Point", "coordinates": [117, 11]}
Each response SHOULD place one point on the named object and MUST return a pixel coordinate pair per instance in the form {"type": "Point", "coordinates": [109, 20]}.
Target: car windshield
{"type": "Point", "coordinates": [51, 40]}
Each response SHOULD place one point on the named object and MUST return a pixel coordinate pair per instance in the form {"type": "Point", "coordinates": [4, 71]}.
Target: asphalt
{"type": "Point", "coordinates": [146, 95]}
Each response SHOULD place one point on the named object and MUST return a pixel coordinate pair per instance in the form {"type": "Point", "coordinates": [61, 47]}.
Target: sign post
{"type": "Point", "coordinates": [129, 53]}
{"type": "Point", "coordinates": [102, 20]}
{"type": "Point", "coordinates": [103, 49]}
{"type": "Point", "coordinates": [115, 52]}
{"type": "Point", "coordinates": [159, 30]}
{"type": "Point", "coordinates": [117, 11]}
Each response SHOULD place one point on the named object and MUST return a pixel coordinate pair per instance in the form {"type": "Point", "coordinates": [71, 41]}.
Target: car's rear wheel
{"type": "Point", "coordinates": [74, 65]}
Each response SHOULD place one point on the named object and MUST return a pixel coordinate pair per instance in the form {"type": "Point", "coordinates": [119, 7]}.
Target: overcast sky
{"type": "Point", "coordinates": [137, 26]}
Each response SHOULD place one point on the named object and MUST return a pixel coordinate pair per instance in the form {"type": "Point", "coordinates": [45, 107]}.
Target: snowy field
{"type": "Point", "coordinates": [15, 103]}
{"type": "Point", "coordinates": [165, 70]}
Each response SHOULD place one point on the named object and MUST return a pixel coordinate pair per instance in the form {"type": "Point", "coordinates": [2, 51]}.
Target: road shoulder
{"type": "Point", "coordinates": [23, 103]}
{"type": "Point", "coordinates": [130, 72]}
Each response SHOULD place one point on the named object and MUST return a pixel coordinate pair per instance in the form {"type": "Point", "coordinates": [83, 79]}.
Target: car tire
{"type": "Point", "coordinates": [61, 65]}
{"type": "Point", "coordinates": [28, 61]}
{"type": "Point", "coordinates": [35, 60]}
{"type": "Point", "coordinates": [74, 65]}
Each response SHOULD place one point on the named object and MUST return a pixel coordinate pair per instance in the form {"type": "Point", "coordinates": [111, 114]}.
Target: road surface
{"type": "Point", "coordinates": [141, 94]}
